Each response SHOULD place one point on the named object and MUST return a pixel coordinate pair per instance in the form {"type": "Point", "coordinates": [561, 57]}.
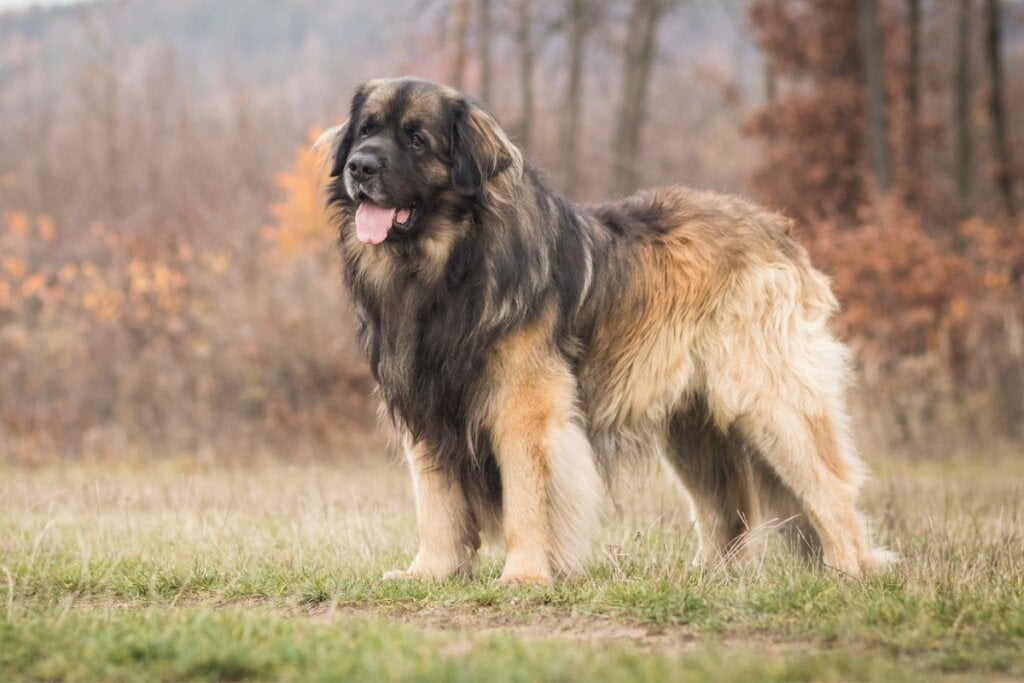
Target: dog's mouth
{"type": "Point", "coordinates": [375, 222]}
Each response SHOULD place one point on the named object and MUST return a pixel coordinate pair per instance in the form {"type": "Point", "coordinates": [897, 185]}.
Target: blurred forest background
{"type": "Point", "coordinates": [168, 282]}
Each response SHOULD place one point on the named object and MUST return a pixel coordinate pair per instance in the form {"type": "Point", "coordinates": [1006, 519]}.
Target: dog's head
{"type": "Point", "coordinates": [412, 150]}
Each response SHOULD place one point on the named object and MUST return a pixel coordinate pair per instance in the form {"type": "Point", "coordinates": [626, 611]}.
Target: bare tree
{"type": "Point", "coordinates": [961, 109]}
{"type": "Point", "coordinates": [527, 58]}
{"type": "Point", "coordinates": [873, 49]}
{"type": "Point", "coordinates": [578, 26]}
{"type": "Point", "coordinates": [770, 81]}
{"type": "Point", "coordinates": [913, 94]}
{"type": "Point", "coordinates": [486, 47]}
{"type": "Point", "coordinates": [460, 37]}
{"type": "Point", "coordinates": [637, 62]}
{"type": "Point", "coordinates": [997, 106]}
{"type": "Point", "coordinates": [103, 99]}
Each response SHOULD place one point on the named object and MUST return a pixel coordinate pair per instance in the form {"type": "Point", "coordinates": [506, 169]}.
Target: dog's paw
{"type": "Point", "coordinates": [537, 580]}
{"type": "Point", "coordinates": [879, 560]}
{"type": "Point", "coordinates": [398, 575]}
{"type": "Point", "coordinates": [419, 572]}
{"type": "Point", "coordinates": [871, 563]}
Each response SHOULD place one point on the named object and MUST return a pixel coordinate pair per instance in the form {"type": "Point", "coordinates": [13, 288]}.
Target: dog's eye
{"type": "Point", "coordinates": [365, 129]}
{"type": "Point", "coordinates": [415, 140]}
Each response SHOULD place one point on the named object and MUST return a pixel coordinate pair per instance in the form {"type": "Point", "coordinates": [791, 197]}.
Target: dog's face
{"type": "Point", "coordinates": [411, 151]}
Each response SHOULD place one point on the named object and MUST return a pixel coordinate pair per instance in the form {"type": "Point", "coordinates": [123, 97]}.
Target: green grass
{"type": "Point", "coordinates": [178, 570]}
{"type": "Point", "coordinates": [234, 644]}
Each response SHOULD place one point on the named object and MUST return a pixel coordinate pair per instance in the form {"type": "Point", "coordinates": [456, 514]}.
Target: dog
{"type": "Point", "coordinates": [525, 349]}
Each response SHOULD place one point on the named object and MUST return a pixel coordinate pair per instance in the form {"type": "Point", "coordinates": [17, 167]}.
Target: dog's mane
{"type": "Point", "coordinates": [428, 340]}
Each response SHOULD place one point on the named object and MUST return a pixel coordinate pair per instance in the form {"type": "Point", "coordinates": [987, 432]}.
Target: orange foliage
{"type": "Point", "coordinates": [936, 320]}
{"type": "Point", "coordinates": [901, 287]}
{"type": "Point", "coordinates": [814, 146]}
{"type": "Point", "coordinates": [71, 289]}
{"type": "Point", "coordinates": [300, 219]}
{"type": "Point", "coordinates": [17, 223]}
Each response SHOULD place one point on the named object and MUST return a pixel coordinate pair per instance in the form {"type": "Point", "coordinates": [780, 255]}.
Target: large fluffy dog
{"type": "Point", "coordinates": [525, 348]}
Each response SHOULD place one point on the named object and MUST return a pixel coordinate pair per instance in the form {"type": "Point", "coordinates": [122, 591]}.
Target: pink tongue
{"type": "Point", "coordinates": [373, 222]}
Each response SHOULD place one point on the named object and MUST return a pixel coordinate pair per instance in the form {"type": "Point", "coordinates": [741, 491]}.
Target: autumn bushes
{"type": "Point", "coordinates": [936, 323]}
{"type": "Point", "coordinates": [113, 342]}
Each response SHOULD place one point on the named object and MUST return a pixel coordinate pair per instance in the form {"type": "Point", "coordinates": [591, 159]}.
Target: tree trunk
{"type": "Point", "coordinates": [873, 49]}
{"type": "Point", "coordinates": [460, 17]}
{"type": "Point", "coordinates": [637, 63]}
{"type": "Point", "coordinates": [913, 97]}
{"type": "Point", "coordinates": [486, 36]}
{"type": "Point", "coordinates": [524, 38]}
{"type": "Point", "coordinates": [997, 106]}
{"type": "Point", "coordinates": [962, 105]}
{"type": "Point", "coordinates": [105, 44]}
{"type": "Point", "coordinates": [577, 25]}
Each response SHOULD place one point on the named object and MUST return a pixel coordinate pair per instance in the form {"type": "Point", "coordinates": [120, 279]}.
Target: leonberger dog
{"type": "Point", "coordinates": [526, 348]}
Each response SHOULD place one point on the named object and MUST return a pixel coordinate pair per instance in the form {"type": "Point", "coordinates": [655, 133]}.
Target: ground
{"type": "Point", "coordinates": [184, 569]}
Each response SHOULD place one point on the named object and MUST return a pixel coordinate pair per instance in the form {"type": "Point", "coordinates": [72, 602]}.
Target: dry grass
{"type": "Point", "coordinates": [94, 554]}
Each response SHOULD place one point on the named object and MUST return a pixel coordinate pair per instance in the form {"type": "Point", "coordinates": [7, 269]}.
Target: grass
{"type": "Point", "coordinates": [184, 570]}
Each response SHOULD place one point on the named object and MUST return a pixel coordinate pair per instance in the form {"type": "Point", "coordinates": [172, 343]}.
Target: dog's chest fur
{"type": "Point", "coordinates": [427, 340]}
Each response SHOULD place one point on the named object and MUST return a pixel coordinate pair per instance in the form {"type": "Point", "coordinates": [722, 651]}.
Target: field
{"type": "Point", "coordinates": [185, 569]}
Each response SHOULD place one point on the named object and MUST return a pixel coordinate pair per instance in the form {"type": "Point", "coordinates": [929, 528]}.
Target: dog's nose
{"type": "Point", "coordinates": [363, 165]}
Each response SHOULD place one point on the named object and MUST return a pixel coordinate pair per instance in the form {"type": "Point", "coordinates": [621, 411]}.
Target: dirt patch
{"type": "Point", "coordinates": [529, 625]}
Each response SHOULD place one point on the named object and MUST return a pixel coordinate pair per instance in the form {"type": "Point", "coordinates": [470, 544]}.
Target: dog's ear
{"type": "Point", "coordinates": [343, 137]}
{"type": "Point", "coordinates": [480, 148]}
{"type": "Point", "coordinates": [327, 146]}
{"type": "Point", "coordinates": [341, 151]}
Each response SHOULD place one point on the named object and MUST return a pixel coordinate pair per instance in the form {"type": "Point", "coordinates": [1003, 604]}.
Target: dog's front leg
{"type": "Point", "coordinates": [448, 534]}
{"type": "Point", "coordinates": [551, 489]}
{"type": "Point", "coordinates": [526, 505]}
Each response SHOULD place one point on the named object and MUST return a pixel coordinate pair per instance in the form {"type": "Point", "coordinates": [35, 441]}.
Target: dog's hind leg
{"type": "Point", "coordinates": [448, 533]}
{"type": "Point", "coordinates": [804, 449]}
{"type": "Point", "coordinates": [715, 470]}
{"type": "Point", "coordinates": [781, 509]}
{"type": "Point", "coordinates": [776, 374]}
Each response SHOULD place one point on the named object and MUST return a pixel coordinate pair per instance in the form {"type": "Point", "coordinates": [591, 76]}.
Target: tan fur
{"type": "Point", "coordinates": [727, 307]}
{"type": "Point", "coordinates": [779, 508]}
{"type": "Point", "coordinates": [449, 535]}
{"type": "Point", "coordinates": [553, 491]}
{"type": "Point", "coordinates": [824, 438]}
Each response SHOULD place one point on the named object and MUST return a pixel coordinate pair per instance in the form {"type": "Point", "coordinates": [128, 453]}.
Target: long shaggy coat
{"type": "Point", "coordinates": [526, 348]}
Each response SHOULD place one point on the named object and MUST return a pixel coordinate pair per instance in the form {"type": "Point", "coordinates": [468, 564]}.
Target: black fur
{"type": "Point", "coordinates": [427, 340]}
